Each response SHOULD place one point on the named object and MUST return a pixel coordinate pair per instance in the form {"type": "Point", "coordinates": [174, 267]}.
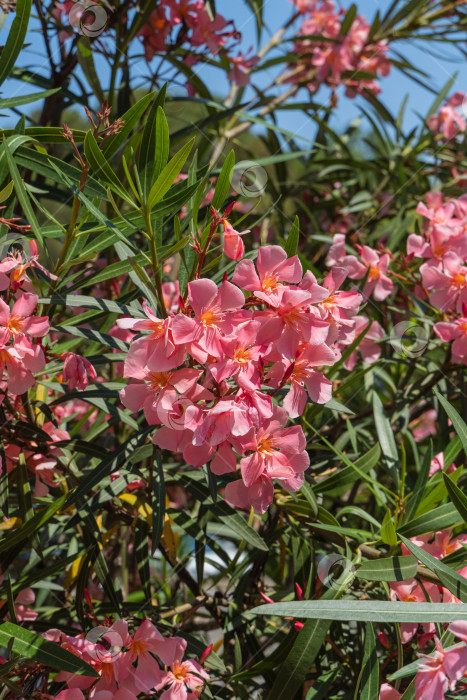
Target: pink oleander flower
{"type": "Point", "coordinates": [437, 465]}
{"type": "Point", "coordinates": [439, 544]}
{"type": "Point", "coordinates": [77, 371]}
{"type": "Point", "coordinates": [368, 348]}
{"type": "Point", "coordinates": [205, 30]}
{"type": "Point", "coordinates": [387, 692]}
{"type": "Point", "coordinates": [424, 425]}
{"type": "Point", "coordinates": [336, 252]}
{"type": "Point", "coordinates": [240, 359]}
{"type": "Point", "coordinates": [338, 308]}
{"type": "Point", "coordinates": [20, 322]}
{"type": "Point", "coordinates": [22, 603]}
{"type": "Point", "coordinates": [157, 392]}
{"type": "Point", "coordinates": [455, 330]}
{"type": "Point", "coordinates": [449, 121]}
{"type": "Point", "coordinates": [411, 591]}
{"type": "Point", "coordinates": [438, 672]}
{"type": "Point", "coordinates": [212, 320]}
{"type": "Point", "coordinates": [449, 279]}
{"type": "Point", "coordinates": [233, 246]}
{"type": "Point", "coordinates": [154, 34]}
{"type": "Point", "coordinates": [304, 378]}
{"type": "Point", "coordinates": [276, 453]}
{"type": "Point", "coordinates": [273, 267]}
{"type": "Point", "coordinates": [184, 680]}
{"type": "Point", "coordinates": [19, 363]}
{"type": "Point", "coordinates": [157, 351]}
{"type": "Point", "coordinates": [378, 283]}
{"type": "Point", "coordinates": [241, 66]}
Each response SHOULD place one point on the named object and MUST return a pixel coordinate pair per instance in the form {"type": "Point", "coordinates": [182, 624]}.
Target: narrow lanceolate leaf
{"type": "Point", "coordinates": [102, 169]}
{"type": "Point", "coordinates": [21, 193]}
{"type": "Point", "coordinates": [8, 102]}
{"type": "Point", "coordinates": [370, 669]}
{"type": "Point", "coordinates": [30, 527]}
{"type": "Point", "coordinates": [348, 475]}
{"type": "Point", "coordinates": [458, 497]}
{"type": "Point", "coordinates": [459, 425]}
{"type": "Point", "coordinates": [167, 177]}
{"type": "Point", "coordinates": [223, 181]}
{"type": "Point", "coordinates": [456, 583]}
{"type": "Point", "coordinates": [29, 645]}
{"type": "Point", "coordinates": [420, 484]}
{"type": "Point", "coordinates": [129, 119]}
{"type": "Point", "coordinates": [158, 501]}
{"type": "Point", "coordinates": [16, 37]}
{"type": "Point", "coordinates": [439, 518]}
{"type": "Point", "coordinates": [291, 244]}
{"type": "Point", "coordinates": [366, 610]}
{"type": "Point", "coordinates": [108, 465]}
{"type": "Point", "coordinates": [388, 531]}
{"type": "Point", "coordinates": [299, 660]}
{"type": "Point", "coordinates": [389, 569]}
{"type": "Point", "coordinates": [386, 438]}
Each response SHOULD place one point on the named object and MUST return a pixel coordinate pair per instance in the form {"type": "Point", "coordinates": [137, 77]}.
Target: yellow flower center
{"type": "Point", "coordinates": [158, 380]}
{"type": "Point", "coordinates": [458, 279]}
{"type": "Point", "coordinates": [269, 284]}
{"type": "Point", "coordinates": [264, 446]}
{"type": "Point", "coordinates": [179, 672]}
{"type": "Point", "coordinates": [374, 273]}
{"type": "Point", "coordinates": [15, 325]}
{"type": "Point", "coordinates": [242, 356]}
{"type": "Point", "coordinates": [209, 318]}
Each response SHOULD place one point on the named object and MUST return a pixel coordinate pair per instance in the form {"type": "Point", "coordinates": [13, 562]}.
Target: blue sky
{"type": "Point", "coordinates": [276, 12]}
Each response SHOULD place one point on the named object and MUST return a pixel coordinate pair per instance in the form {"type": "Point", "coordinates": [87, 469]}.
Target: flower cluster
{"type": "Point", "coordinates": [449, 121]}
{"type": "Point", "coordinates": [212, 373]}
{"type": "Point", "coordinates": [443, 247]}
{"type": "Point", "coordinates": [326, 54]}
{"type": "Point", "coordinates": [129, 664]}
{"type": "Point", "coordinates": [438, 672]}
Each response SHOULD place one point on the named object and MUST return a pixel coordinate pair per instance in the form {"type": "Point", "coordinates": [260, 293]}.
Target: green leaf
{"type": "Point", "coordinates": [370, 667]}
{"type": "Point", "coordinates": [130, 119]}
{"type": "Point", "coordinates": [366, 611]}
{"type": "Point", "coordinates": [142, 556]}
{"type": "Point", "coordinates": [22, 194]}
{"type": "Point", "coordinates": [386, 438]}
{"type": "Point", "coordinates": [85, 56]}
{"type": "Point", "coordinates": [102, 168]}
{"type": "Point", "coordinates": [458, 498]}
{"type": "Point", "coordinates": [15, 40]}
{"type": "Point", "coordinates": [348, 20]}
{"type": "Point", "coordinates": [439, 518]}
{"type": "Point", "coordinates": [389, 569]}
{"type": "Point", "coordinates": [165, 180]}
{"type": "Point", "coordinates": [9, 102]}
{"type": "Point", "coordinates": [158, 501]}
{"type": "Point", "coordinates": [299, 660]}
{"type": "Point", "coordinates": [108, 465]}
{"type": "Point", "coordinates": [29, 528]}
{"type": "Point", "coordinates": [388, 531]}
{"type": "Point", "coordinates": [459, 425]}
{"type": "Point", "coordinates": [29, 645]}
{"type": "Point", "coordinates": [350, 474]}
{"type": "Point", "coordinates": [456, 583]}
{"type": "Point", "coordinates": [290, 246]}
{"type": "Point", "coordinates": [223, 181]}
{"type": "Point", "coordinates": [419, 489]}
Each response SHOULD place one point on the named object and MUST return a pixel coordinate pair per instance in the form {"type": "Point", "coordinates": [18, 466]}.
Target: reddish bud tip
{"type": "Point", "coordinates": [266, 598]}
{"type": "Point", "coordinates": [299, 592]}
{"type": "Point", "coordinates": [298, 626]}
{"type": "Point", "coordinates": [205, 654]}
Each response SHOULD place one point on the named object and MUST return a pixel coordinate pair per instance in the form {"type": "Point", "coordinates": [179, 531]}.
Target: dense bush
{"type": "Point", "coordinates": [233, 357]}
